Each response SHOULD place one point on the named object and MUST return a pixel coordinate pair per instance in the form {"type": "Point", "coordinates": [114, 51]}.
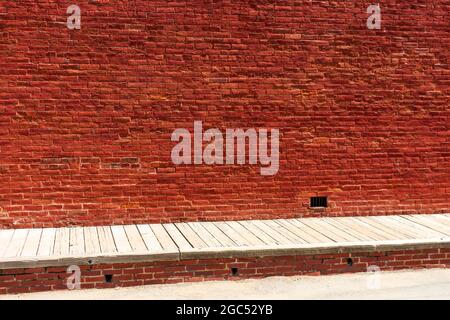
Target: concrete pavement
{"type": "Point", "coordinates": [413, 284]}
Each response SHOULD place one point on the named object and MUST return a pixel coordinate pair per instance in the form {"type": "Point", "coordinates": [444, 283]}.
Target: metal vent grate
{"type": "Point", "coordinates": [319, 202]}
{"type": "Point", "coordinates": [108, 278]}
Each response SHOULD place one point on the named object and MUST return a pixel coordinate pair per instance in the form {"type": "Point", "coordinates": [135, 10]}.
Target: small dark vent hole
{"type": "Point", "coordinates": [108, 278]}
{"type": "Point", "coordinates": [234, 271]}
{"type": "Point", "coordinates": [319, 202]}
{"type": "Point", "coordinates": [349, 262]}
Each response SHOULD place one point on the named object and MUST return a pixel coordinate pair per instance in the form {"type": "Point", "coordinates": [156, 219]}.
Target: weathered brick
{"type": "Point", "coordinates": [85, 131]}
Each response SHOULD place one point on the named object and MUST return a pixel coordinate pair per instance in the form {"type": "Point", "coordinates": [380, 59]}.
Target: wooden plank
{"type": "Point", "coordinates": [5, 239]}
{"type": "Point", "coordinates": [106, 239]}
{"type": "Point", "coordinates": [366, 229]}
{"type": "Point", "coordinates": [280, 239]}
{"type": "Point", "coordinates": [295, 229]}
{"type": "Point", "coordinates": [47, 242]}
{"type": "Point", "coordinates": [62, 244]}
{"type": "Point", "coordinates": [313, 232]}
{"type": "Point", "coordinates": [382, 229]}
{"type": "Point", "coordinates": [121, 239]}
{"type": "Point", "coordinates": [207, 238]}
{"type": "Point", "coordinates": [180, 241]}
{"type": "Point", "coordinates": [427, 232]}
{"type": "Point", "coordinates": [149, 238]}
{"type": "Point", "coordinates": [76, 241]}
{"type": "Point", "coordinates": [91, 240]}
{"type": "Point", "coordinates": [401, 227]}
{"type": "Point", "coordinates": [284, 232]}
{"type": "Point", "coordinates": [258, 233]}
{"type": "Point", "coordinates": [250, 237]}
{"type": "Point", "coordinates": [135, 239]}
{"type": "Point", "coordinates": [31, 245]}
{"type": "Point", "coordinates": [421, 231]}
{"type": "Point", "coordinates": [440, 219]}
{"type": "Point", "coordinates": [325, 229]}
{"type": "Point", "coordinates": [231, 233]}
{"type": "Point", "coordinates": [428, 223]}
{"type": "Point", "coordinates": [384, 234]}
{"type": "Point", "coordinates": [163, 237]}
{"type": "Point", "coordinates": [382, 225]}
{"type": "Point", "coordinates": [219, 235]}
{"type": "Point", "coordinates": [342, 231]}
{"type": "Point", "coordinates": [348, 228]}
{"type": "Point", "coordinates": [16, 244]}
{"type": "Point", "coordinates": [191, 236]}
{"type": "Point", "coordinates": [444, 216]}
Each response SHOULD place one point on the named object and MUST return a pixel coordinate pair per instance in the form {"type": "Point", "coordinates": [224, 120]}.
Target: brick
{"type": "Point", "coordinates": [85, 145]}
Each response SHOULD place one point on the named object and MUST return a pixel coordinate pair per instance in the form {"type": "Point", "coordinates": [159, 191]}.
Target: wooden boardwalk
{"type": "Point", "coordinates": [197, 240]}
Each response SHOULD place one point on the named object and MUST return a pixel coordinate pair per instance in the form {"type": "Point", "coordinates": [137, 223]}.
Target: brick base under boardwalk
{"type": "Point", "coordinates": [135, 274]}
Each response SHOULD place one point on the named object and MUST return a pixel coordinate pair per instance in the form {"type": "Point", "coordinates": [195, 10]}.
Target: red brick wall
{"type": "Point", "coordinates": [135, 274]}
{"type": "Point", "coordinates": [86, 115]}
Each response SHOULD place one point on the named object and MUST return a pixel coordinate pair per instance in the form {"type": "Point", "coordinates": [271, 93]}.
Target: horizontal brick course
{"type": "Point", "coordinates": [86, 115]}
{"type": "Point", "coordinates": [44, 279]}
